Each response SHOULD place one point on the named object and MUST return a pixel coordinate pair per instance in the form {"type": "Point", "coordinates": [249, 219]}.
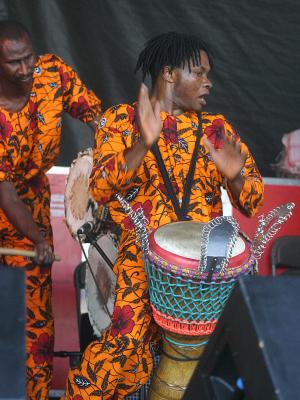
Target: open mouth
{"type": "Point", "coordinates": [202, 100]}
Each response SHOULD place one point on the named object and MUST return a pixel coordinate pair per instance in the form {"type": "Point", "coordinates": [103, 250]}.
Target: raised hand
{"type": "Point", "coordinates": [148, 115]}
{"type": "Point", "coordinates": [229, 159]}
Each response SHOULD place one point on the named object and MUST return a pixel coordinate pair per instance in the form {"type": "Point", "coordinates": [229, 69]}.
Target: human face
{"type": "Point", "coordinates": [191, 87]}
{"type": "Point", "coordinates": [17, 61]}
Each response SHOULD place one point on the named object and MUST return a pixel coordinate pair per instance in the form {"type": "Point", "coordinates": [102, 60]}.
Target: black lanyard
{"type": "Point", "coordinates": [182, 211]}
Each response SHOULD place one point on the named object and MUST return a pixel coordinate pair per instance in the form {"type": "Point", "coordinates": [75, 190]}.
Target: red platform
{"type": "Point", "coordinates": [65, 318]}
{"type": "Point", "coordinates": [277, 191]}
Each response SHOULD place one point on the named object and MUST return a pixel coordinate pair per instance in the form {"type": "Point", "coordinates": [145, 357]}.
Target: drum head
{"type": "Point", "coordinates": [179, 243]}
{"type": "Point", "coordinates": [100, 298]}
{"type": "Point", "coordinates": [80, 207]}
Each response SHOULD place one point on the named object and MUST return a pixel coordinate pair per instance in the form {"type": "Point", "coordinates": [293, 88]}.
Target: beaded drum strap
{"type": "Point", "coordinates": [139, 220]}
{"type": "Point", "coordinates": [268, 226]}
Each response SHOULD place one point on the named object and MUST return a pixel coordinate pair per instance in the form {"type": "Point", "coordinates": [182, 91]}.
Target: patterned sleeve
{"type": "Point", "coordinates": [110, 173]}
{"type": "Point", "coordinates": [6, 162]}
{"type": "Point", "coordinates": [80, 102]}
{"type": "Point", "coordinates": [251, 196]}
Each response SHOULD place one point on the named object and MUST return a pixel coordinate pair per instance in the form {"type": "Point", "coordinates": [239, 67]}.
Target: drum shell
{"type": "Point", "coordinates": [182, 299]}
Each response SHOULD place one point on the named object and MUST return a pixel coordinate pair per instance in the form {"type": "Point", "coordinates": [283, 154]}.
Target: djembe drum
{"type": "Point", "coordinates": [192, 268]}
{"type": "Point", "coordinates": [188, 299]}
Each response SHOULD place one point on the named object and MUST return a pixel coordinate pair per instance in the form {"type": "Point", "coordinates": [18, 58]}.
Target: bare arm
{"type": "Point", "coordinates": [95, 123]}
{"type": "Point", "coordinates": [20, 217]}
{"type": "Point", "coordinates": [150, 126]}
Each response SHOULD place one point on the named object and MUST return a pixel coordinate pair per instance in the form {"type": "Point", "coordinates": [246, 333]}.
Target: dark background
{"type": "Point", "coordinates": [256, 47]}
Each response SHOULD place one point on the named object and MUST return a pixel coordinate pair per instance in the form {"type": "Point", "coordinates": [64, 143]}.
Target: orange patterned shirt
{"type": "Point", "coordinates": [30, 138]}
{"type": "Point", "coordinates": [145, 186]}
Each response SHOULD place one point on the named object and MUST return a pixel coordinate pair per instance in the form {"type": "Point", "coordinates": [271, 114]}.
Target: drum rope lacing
{"type": "Point", "coordinates": [169, 293]}
{"type": "Point", "coordinates": [187, 346]}
{"type": "Point", "coordinates": [180, 344]}
{"type": "Point", "coordinates": [169, 385]}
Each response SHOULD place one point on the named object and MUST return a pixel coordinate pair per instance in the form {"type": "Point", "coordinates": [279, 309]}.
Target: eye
{"type": "Point", "coordinates": [199, 74]}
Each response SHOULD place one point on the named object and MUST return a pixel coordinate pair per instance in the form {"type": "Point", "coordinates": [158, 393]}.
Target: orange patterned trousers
{"type": "Point", "coordinates": [39, 322]}
{"type": "Point", "coordinates": [120, 362]}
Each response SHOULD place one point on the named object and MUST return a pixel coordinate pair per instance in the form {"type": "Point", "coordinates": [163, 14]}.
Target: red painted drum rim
{"type": "Point", "coordinates": [191, 263]}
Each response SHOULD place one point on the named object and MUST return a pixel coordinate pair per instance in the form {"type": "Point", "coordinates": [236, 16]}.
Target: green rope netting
{"type": "Point", "coordinates": [187, 299]}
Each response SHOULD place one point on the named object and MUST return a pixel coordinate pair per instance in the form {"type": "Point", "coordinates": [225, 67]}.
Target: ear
{"type": "Point", "coordinates": [168, 74]}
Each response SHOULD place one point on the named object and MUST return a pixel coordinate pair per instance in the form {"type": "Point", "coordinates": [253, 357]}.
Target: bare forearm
{"type": "Point", "coordinates": [18, 214]}
{"type": "Point", "coordinates": [235, 186]}
{"type": "Point", "coordinates": [135, 155]}
{"type": "Point", "coordinates": [20, 217]}
{"type": "Point", "coordinates": [95, 123]}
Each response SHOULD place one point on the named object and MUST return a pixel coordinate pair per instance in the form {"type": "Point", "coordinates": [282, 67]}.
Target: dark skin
{"type": "Point", "coordinates": [17, 60]}
{"type": "Point", "coordinates": [176, 91]}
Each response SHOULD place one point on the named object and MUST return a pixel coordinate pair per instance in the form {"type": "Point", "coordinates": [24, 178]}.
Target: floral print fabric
{"type": "Point", "coordinates": [29, 145]}
{"type": "Point", "coordinates": [120, 361]}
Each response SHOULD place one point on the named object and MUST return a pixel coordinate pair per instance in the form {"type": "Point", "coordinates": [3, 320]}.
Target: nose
{"type": "Point", "coordinates": [24, 68]}
{"type": "Point", "coordinates": [208, 83]}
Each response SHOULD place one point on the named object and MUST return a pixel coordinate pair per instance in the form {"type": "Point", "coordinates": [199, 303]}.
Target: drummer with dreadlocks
{"type": "Point", "coordinates": [165, 130]}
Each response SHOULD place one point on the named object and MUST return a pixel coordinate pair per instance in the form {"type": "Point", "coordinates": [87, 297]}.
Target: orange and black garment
{"type": "Point", "coordinates": [29, 145]}
{"type": "Point", "coordinates": [120, 361]}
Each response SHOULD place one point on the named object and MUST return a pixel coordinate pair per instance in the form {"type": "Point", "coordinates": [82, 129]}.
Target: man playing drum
{"type": "Point", "coordinates": [133, 145]}
{"type": "Point", "coordinates": [34, 92]}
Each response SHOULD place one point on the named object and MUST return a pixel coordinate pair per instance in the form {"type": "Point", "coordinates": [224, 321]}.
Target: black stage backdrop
{"type": "Point", "coordinates": [255, 42]}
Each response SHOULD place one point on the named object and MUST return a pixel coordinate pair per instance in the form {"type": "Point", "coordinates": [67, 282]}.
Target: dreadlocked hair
{"type": "Point", "coordinates": [172, 49]}
{"type": "Point", "coordinates": [13, 30]}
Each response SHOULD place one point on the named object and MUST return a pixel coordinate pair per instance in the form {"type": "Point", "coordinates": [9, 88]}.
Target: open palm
{"type": "Point", "coordinates": [148, 115]}
{"type": "Point", "coordinates": [229, 159]}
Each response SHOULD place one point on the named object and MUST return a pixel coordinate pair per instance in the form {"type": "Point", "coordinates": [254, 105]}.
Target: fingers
{"type": "Point", "coordinates": [45, 255]}
{"type": "Point", "coordinates": [143, 100]}
{"type": "Point", "coordinates": [238, 148]}
{"type": "Point", "coordinates": [157, 109]}
{"type": "Point", "coordinates": [232, 144]}
{"type": "Point", "coordinates": [244, 154]}
{"type": "Point", "coordinates": [208, 144]}
{"type": "Point", "coordinates": [230, 140]}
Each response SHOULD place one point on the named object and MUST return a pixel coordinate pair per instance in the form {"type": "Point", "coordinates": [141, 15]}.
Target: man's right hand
{"type": "Point", "coordinates": [148, 116]}
{"type": "Point", "coordinates": [20, 217]}
{"type": "Point", "coordinates": [150, 126]}
{"type": "Point", "coordinates": [44, 253]}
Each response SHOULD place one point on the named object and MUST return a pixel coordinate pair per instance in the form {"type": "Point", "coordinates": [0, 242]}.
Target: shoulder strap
{"type": "Point", "coordinates": [181, 212]}
{"type": "Point", "coordinates": [167, 182]}
{"type": "Point", "coordinates": [191, 172]}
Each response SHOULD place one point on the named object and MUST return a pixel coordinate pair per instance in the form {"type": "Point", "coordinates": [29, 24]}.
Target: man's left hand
{"type": "Point", "coordinates": [230, 159]}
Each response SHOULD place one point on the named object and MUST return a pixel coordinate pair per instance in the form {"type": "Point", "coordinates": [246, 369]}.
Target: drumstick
{"type": "Point", "coordinates": [21, 252]}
